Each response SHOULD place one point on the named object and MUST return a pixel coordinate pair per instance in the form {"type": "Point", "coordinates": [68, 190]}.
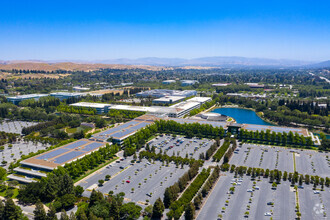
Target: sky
{"type": "Point", "coordinates": [111, 29]}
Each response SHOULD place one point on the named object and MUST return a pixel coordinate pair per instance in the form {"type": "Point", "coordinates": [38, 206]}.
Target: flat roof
{"type": "Point", "coordinates": [125, 130]}
{"type": "Point", "coordinates": [62, 155]}
{"type": "Point", "coordinates": [166, 92]}
{"type": "Point", "coordinates": [168, 98]}
{"type": "Point", "coordinates": [151, 109]}
{"type": "Point", "coordinates": [90, 105]}
{"type": "Point", "coordinates": [27, 96]}
{"type": "Point", "coordinates": [185, 105]}
{"type": "Point", "coordinates": [199, 99]}
{"type": "Point", "coordinates": [68, 93]}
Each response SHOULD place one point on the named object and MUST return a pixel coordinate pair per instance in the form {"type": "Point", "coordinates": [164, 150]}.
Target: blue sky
{"type": "Point", "coordinates": [97, 30]}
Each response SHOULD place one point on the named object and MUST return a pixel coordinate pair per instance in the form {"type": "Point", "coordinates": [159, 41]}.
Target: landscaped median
{"type": "Point", "coordinates": [178, 206]}
{"type": "Point", "coordinates": [76, 181]}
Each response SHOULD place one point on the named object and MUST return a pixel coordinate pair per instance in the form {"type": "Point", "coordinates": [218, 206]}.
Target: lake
{"type": "Point", "coordinates": [243, 116]}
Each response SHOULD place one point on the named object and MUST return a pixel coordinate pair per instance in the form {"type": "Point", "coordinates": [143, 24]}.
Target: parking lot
{"type": "Point", "coordinates": [266, 157]}
{"type": "Point", "coordinates": [19, 148]}
{"type": "Point", "coordinates": [181, 146]}
{"type": "Point", "coordinates": [251, 199]}
{"type": "Point", "coordinates": [15, 126]}
{"type": "Point", "coordinates": [313, 204]}
{"type": "Point", "coordinates": [139, 181]}
{"type": "Point", "coordinates": [270, 157]}
{"type": "Point", "coordinates": [313, 163]}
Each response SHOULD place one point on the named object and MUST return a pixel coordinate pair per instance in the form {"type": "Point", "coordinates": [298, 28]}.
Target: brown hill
{"type": "Point", "coordinates": [71, 66]}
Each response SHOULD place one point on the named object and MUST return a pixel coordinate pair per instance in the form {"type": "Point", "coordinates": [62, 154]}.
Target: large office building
{"type": "Point", "coordinates": [158, 93]}
{"type": "Point", "coordinates": [168, 100]}
{"type": "Point", "coordinates": [17, 99]}
{"type": "Point", "coordinates": [167, 82]}
{"type": "Point", "coordinates": [35, 167]}
{"type": "Point", "coordinates": [188, 82]}
{"type": "Point", "coordinates": [100, 107]}
{"type": "Point", "coordinates": [66, 95]}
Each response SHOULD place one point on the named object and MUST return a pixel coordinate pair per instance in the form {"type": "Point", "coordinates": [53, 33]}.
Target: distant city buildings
{"type": "Point", "coordinates": [255, 85]}
{"type": "Point", "coordinates": [167, 82]}
{"type": "Point", "coordinates": [188, 82]}
{"type": "Point", "coordinates": [80, 89]}
{"type": "Point", "coordinates": [158, 93]}
{"type": "Point", "coordinates": [221, 84]}
{"type": "Point", "coordinates": [247, 95]}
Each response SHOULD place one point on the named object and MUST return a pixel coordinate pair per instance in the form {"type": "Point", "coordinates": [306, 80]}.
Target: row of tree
{"type": "Point", "coordinates": [221, 151]}
{"type": "Point", "coordinates": [121, 115]}
{"type": "Point", "coordinates": [276, 137]}
{"type": "Point", "coordinates": [178, 206]}
{"type": "Point", "coordinates": [191, 129]}
{"type": "Point", "coordinates": [172, 192]}
{"type": "Point", "coordinates": [210, 151]}
{"type": "Point", "coordinates": [166, 158]}
{"type": "Point", "coordinates": [76, 109]}
{"type": "Point", "coordinates": [207, 187]}
{"type": "Point", "coordinates": [7, 137]}
{"type": "Point", "coordinates": [276, 175]}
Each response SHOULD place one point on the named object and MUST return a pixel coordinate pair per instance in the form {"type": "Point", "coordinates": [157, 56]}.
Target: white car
{"type": "Point", "coordinates": [249, 190]}
{"type": "Point", "coordinates": [316, 192]}
{"type": "Point", "coordinates": [268, 214]}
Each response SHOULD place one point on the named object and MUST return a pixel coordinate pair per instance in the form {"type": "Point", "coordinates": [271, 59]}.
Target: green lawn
{"type": "Point", "coordinates": [71, 130]}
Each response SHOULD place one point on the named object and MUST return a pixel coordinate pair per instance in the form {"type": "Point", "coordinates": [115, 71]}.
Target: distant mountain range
{"type": "Point", "coordinates": [325, 64]}
{"type": "Point", "coordinates": [209, 61]}
{"type": "Point", "coordinates": [222, 62]}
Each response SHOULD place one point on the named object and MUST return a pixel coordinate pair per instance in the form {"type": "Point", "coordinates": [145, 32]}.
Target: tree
{"type": "Point", "coordinates": [11, 211]}
{"type": "Point", "coordinates": [68, 200]}
{"type": "Point", "coordinates": [64, 216]}
{"type": "Point", "coordinates": [78, 191]}
{"type": "Point", "coordinates": [51, 214]}
{"type": "Point", "coordinates": [130, 211]}
{"type": "Point", "coordinates": [39, 212]}
{"type": "Point", "coordinates": [3, 173]}
{"type": "Point", "coordinates": [101, 182]}
{"type": "Point", "coordinates": [158, 209]}
{"type": "Point", "coordinates": [189, 212]}
{"type": "Point", "coordinates": [2, 209]}
{"type": "Point", "coordinates": [325, 144]}
{"type": "Point", "coordinates": [148, 211]}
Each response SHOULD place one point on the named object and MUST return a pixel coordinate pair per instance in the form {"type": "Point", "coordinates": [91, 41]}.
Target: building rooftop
{"type": "Point", "coordinates": [169, 99]}
{"type": "Point", "coordinates": [200, 99]}
{"type": "Point", "coordinates": [125, 130]}
{"type": "Point", "coordinates": [221, 84]}
{"type": "Point", "coordinates": [62, 155]}
{"type": "Point", "coordinates": [185, 105]}
{"type": "Point", "coordinates": [28, 96]}
{"type": "Point", "coordinates": [90, 105]}
{"type": "Point", "coordinates": [167, 92]}
{"type": "Point", "coordinates": [67, 93]}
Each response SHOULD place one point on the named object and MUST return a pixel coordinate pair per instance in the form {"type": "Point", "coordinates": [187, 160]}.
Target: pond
{"type": "Point", "coordinates": [243, 116]}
